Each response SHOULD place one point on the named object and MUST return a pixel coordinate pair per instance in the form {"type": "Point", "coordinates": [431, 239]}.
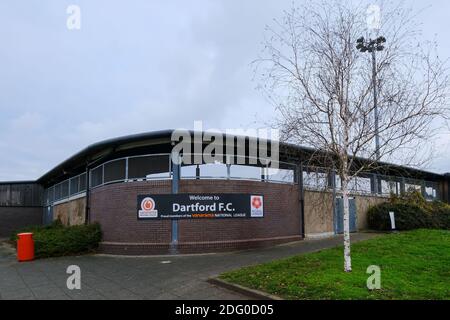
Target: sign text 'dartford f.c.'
{"type": "Point", "coordinates": [200, 206]}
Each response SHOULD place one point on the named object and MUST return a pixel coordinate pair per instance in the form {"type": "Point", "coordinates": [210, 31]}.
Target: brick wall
{"type": "Point", "coordinates": [14, 218]}
{"type": "Point", "coordinates": [114, 206]}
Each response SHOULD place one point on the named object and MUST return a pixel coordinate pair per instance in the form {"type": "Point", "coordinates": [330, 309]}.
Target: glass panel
{"type": "Point", "coordinates": [74, 185]}
{"type": "Point", "coordinates": [429, 192]}
{"type": "Point", "coordinates": [149, 167]}
{"type": "Point", "coordinates": [281, 175]}
{"type": "Point", "coordinates": [57, 192]}
{"type": "Point", "coordinates": [352, 185]}
{"type": "Point", "coordinates": [51, 194]}
{"type": "Point", "coordinates": [65, 189]}
{"type": "Point", "coordinates": [245, 172]}
{"type": "Point", "coordinates": [115, 170]}
{"type": "Point", "coordinates": [389, 187]}
{"type": "Point", "coordinates": [83, 182]}
{"type": "Point", "coordinates": [213, 170]}
{"type": "Point", "coordinates": [357, 184]}
{"type": "Point", "coordinates": [315, 180]}
{"type": "Point", "coordinates": [362, 185]}
{"type": "Point", "coordinates": [188, 171]}
{"type": "Point", "coordinates": [97, 176]}
{"type": "Point", "coordinates": [412, 187]}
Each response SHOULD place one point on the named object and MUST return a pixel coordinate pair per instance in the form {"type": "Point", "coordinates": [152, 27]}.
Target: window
{"type": "Point", "coordinates": [115, 171]}
{"type": "Point", "coordinates": [83, 182]}
{"type": "Point", "coordinates": [74, 185]}
{"type": "Point", "coordinates": [51, 194]}
{"type": "Point", "coordinates": [409, 187]}
{"type": "Point", "coordinates": [65, 189]}
{"type": "Point", "coordinates": [149, 167]}
{"type": "Point", "coordinates": [315, 180]}
{"type": "Point", "coordinates": [97, 176]}
{"type": "Point", "coordinates": [57, 192]}
{"type": "Point", "coordinates": [390, 187]}
{"type": "Point", "coordinates": [362, 185]}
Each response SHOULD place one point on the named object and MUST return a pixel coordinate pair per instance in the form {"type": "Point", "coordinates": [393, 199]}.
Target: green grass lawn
{"type": "Point", "coordinates": [414, 265]}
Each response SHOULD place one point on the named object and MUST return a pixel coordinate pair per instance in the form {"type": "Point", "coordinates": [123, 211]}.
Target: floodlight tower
{"type": "Point", "coordinates": [372, 46]}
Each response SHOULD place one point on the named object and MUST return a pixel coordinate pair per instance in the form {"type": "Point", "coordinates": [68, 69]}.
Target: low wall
{"type": "Point", "coordinates": [15, 218]}
{"type": "Point", "coordinates": [114, 206]}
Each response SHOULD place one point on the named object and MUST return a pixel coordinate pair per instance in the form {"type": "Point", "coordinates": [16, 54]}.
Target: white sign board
{"type": "Point", "coordinates": [392, 216]}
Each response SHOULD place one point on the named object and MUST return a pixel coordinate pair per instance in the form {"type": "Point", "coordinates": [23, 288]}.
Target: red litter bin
{"type": "Point", "coordinates": [25, 247]}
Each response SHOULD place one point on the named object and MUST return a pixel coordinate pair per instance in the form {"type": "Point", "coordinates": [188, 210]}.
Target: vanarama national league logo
{"type": "Point", "coordinates": [148, 208]}
{"type": "Point", "coordinates": [257, 206]}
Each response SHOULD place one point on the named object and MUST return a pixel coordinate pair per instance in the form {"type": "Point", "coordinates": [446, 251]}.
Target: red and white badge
{"type": "Point", "coordinates": [256, 206]}
{"type": "Point", "coordinates": [148, 208]}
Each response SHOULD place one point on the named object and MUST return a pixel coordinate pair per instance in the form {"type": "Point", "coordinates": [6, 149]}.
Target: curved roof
{"type": "Point", "coordinates": [100, 151]}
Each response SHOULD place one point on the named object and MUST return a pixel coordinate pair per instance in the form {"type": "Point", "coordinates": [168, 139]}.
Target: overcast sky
{"type": "Point", "coordinates": [137, 66]}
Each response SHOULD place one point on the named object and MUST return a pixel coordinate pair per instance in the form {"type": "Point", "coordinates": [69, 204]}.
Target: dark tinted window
{"type": "Point", "coordinates": [74, 185]}
{"type": "Point", "coordinates": [97, 176]}
{"type": "Point", "coordinates": [83, 182]}
{"type": "Point", "coordinates": [115, 170]}
{"type": "Point", "coordinates": [141, 167]}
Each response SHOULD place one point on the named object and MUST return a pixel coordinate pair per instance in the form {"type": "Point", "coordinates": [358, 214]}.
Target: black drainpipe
{"type": "Point", "coordinates": [87, 208]}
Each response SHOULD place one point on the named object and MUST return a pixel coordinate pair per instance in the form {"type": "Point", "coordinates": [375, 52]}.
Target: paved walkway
{"type": "Point", "coordinates": [166, 277]}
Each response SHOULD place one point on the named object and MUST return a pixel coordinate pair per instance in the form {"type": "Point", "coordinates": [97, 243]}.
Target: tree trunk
{"type": "Point", "coordinates": [347, 257]}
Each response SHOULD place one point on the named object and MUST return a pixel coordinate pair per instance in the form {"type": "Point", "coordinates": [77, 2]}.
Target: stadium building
{"type": "Point", "coordinates": [148, 203]}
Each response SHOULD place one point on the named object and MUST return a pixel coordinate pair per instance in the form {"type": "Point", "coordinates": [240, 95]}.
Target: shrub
{"type": "Point", "coordinates": [441, 216]}
{"type": "Point", "coordinates": [412, 211]}
{"type": "Point", "coordinates": [57, 240]}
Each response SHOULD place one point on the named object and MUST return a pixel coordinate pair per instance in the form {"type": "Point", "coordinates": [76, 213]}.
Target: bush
{"type": "Point", "coordinates": [412, 211]}
{"type": "Point", "coordinates": [57, 240]}
{"type": "Point", "coordinates": [441, 216]}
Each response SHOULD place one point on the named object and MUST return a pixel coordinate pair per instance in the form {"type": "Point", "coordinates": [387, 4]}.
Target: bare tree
{"type": "Point", "coordinates": [323, 90]}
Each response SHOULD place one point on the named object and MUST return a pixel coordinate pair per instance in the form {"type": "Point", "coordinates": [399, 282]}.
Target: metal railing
{"type": "Point", "coordinates": [129, 169]}
{"type": "Point", "coordinates": [320, 179]}
{"type": "Point", "coordinates": [99, 175]}
{"type": "Point", "coordinates": [57, 192]}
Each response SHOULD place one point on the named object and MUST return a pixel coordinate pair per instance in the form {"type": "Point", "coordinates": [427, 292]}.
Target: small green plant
{"type": "Point", "coordinates": [57, 240]}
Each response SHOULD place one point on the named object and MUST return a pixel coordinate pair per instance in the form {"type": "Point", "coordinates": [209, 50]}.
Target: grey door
{"type": "Point", "coordinates": [339, 215]}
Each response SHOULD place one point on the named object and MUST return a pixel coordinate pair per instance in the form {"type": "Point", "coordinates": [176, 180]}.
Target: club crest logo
{"type": "Point", "coordinates": [148, 208]}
